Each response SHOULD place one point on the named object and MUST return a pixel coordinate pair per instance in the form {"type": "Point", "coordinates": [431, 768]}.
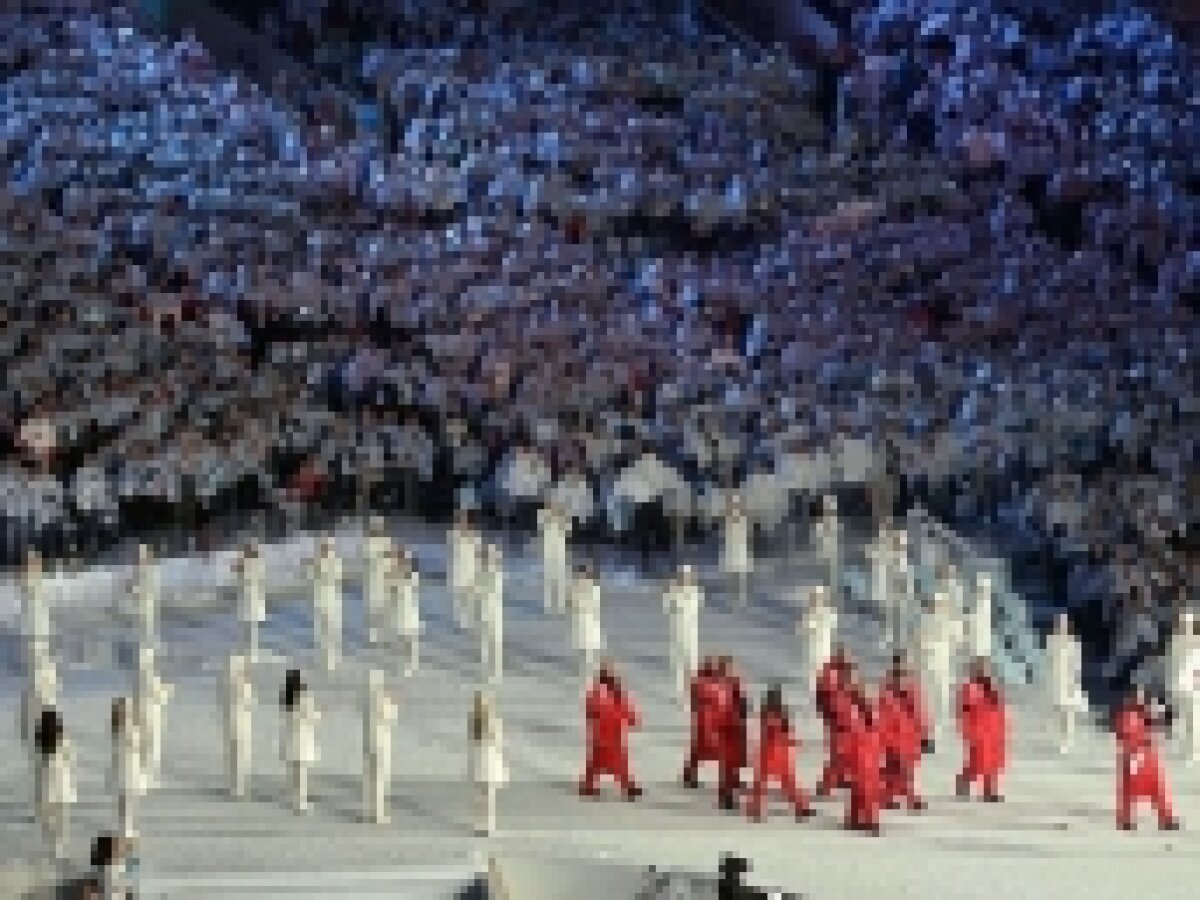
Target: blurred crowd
{"type": "Point", "coordinates": [584, 235]}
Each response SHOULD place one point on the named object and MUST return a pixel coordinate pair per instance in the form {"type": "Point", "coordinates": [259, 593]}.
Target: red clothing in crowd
{"type": "Point", "coordinates": [864, 761]}
{"type": "Point", "coordinates": [983, 722]}
{"type": "Point", "coordinates": [903, 729]}
{"type": "Point", "coordinates": [829, 689]}
{"type": "Point", "coordinates": [1139, 773]}
{"type": "Point", "coordinates": [776, 762]}
{"type": "Point", "coordinates": [610, 715]}
{"type": "Point", "coordinates": [708, 701]}
{"type": "Point", "coordinates": [733, 738]}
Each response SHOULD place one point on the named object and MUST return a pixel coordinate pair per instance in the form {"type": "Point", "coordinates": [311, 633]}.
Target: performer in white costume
{"type": "Point", "coordinates": [735, 550]}
{"type": "Point", "coordinates": [464, 553]}
{"type": "Point", "coordinates": [819, 625]}
{"type": "Point", "coordinates": [150, 698]}
{"type": "Point", "coordinates": [379, 714]}
{"type": "Point", "coordinates": [377, 555]}
{"type": "Point", "coordinates": [40, 693]}
{"type": "Point", "coordinates": [553, 527]}
{"type": "Point", "coordinates": [237, 706]}
{"type": "Point", "coordinates": [252, 597]}
{"type": "Point", "coordinates": [402, 585]}
{"type": "Point", "coordinates": [586, 632]}
{"type": "Point", "coordinates": [684, 599]}
{"type": "Point", "coordinates": [979, 621]}
{"type": "Point", "coordinates": [880, 554]}
{"type": "Point", "coordinates": [490, 594]}
{"type": "Point", "coordinates": [126, 780]}
{"type": "Point", "coordinates": [904, 607]}
{"type": "Point", "coordinates": [1066, 689]}
{"type": "Point", "coordinates": [940, 637]}
{"type": "Point", "coordinates": [1183, 681]}
{"type": "Point", "coordinates": [145, 591]}
{"type": "Point", "coordinates": [488, 768]}
{"type": "Point", "coordinates": [299, 737]}
{"type": "Point", "coordinates": [56, 769]}
{"type": "Point", "coordinates": [829, 545]}
{"type": "Point", "coordinates": [35, 611]}
{"type": "Point", "coordinates": [326, 574]}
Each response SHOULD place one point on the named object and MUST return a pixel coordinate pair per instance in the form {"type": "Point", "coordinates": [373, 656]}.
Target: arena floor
{"type": "Point", "coordinates": [1053, 836]}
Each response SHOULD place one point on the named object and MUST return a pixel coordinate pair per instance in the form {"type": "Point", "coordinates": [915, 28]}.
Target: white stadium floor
{"type": "Point", "coordinates": [1054, 836]}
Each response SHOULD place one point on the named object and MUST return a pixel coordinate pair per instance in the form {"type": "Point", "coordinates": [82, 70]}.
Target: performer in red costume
{"type": "Point", "coordinates": [610, 715]}
{"type": "Point", "coordinates": [776, 758]}
{"type": "Point", "coordinates": [983, 723]}
{"type": "Point", "coordinates": [736, 710]}
{"type": "Point", "coordinates": [904, 734]}
{"type": "Point", "coordinates": [830, 683]}
{"type": "Point", "coordinates": [864, 763]}
{"type": "Point", "coordinates": [1139, 773]}
{"type": "Point", "coordinates": [707, 698]}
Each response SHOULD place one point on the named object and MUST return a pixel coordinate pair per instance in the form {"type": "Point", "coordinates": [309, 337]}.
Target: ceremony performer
{"type": "Point", "coordinates": [610, 715]}
{"type": "Point", "coordinates": [776, 758]}
{"type": "Point", "coordinates": [237, 707]}
{"type": "Point", "coordinates": [983, 724]}
{"type": "Point", "coordinates": [904, 734]}
{"type": "Point", "coordinates": [1139, 771]}
{"type": "Point", "coordinates": [1066, 691]}
{"type": "Point", "coordinates": [489, 771]}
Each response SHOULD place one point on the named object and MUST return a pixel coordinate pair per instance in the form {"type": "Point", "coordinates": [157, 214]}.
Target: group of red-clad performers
{"type": "Point", "coordinates": [874, 744]}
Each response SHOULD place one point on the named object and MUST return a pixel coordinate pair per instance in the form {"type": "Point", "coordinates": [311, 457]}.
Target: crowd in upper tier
{"type": "Point", "coordinates": [597, 233]}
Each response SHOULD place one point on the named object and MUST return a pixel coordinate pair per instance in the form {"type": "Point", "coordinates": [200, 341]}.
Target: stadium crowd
{"type": "Point", "coordinates": [634, 238]}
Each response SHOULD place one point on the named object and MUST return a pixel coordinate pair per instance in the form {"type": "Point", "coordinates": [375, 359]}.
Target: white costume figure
{"type": "Point", "coordinates": [402, 595]}
{"type": "Point", "coordinates": [490, 593]}
{"type": "Point", "coordinates": [1183, 665]}
{"type": "Point", "coordinates": [237, 707]}
{"type": "Point", "coordinates": [252, 597]}
{"type": "Point", "coordinates": [299, 738]}
{"type": "Point", "coordinates": [1066, 690]}
{"type": "Point", "coordinates": [145, 591]}
{"type": "Point", "coordinates": [377, 555]}
{"type": "Point", "coordinates": [57, 771]}
{"type": "Point", "coordinates": [684, 600]}
{"type": "Point", "coordinates": [979, 620]}
{"type": "Point", "coordinates": [902, 586]}
{"type": "Point", "coordinates": [880, 553]}
{"type": "Point", "coordinates": [327, 602]}
{"type": "Point", "coordinates": [35, 610]}
{"type": "Point", "coordinates": [111, 876]}
{"type": "Point", "coordinates": [40, 692]}
{"type": "Point", "coordinates": [552, 530]}
{"type": "Point", "coordinates": [488, 769]}
{"type": "Point", "coordinates": [587, 635]}
{"type": "Point", "coordinates": [940, 636]}
{"type": "Point", "coordinates": [829, 545]}
{"type": "Point", "coordinates": [819, 625]}
{"type": "Point", "coordinates": [126, 775]}
{"type": "Point", "coordinates": [379, 714]}
{"type": "Point", "coordinates": [464, 567]}
{"type": "Point", "coordinates": [735, 550]}
{"type": "Point", "coordinates": [150, 697]}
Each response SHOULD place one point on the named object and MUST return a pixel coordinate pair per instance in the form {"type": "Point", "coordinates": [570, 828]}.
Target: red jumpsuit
{"type": "Point", "coordinates": [982, 720]}
{"type": "Point", "coordinates": [733, 737]}
{"type": "Point", "coordinates": [864, 760]}
{"type": "Point", "coordinates": [829, 689]}
{"type": "Point", "coordinates": [707, 712]}
{"type": "Point", "coordinates": [610, 715]}
{"type": "Point", "coordinates": [776, 762]}
{"type": "Point", "coordinates": [1139, 773]}
{"type": "Point", "coordinates": [903, 727]}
